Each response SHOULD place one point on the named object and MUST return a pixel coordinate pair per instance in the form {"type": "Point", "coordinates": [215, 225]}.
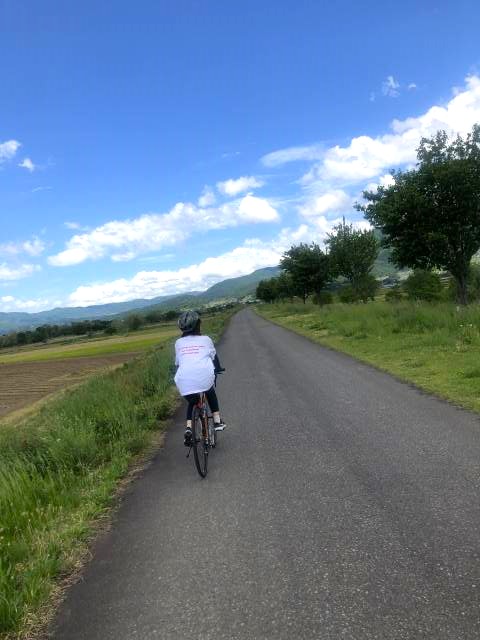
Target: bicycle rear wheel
{"type": "Point", "coordinates": [200, 446]}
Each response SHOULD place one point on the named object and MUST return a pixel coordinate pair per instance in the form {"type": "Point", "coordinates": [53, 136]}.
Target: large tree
{"type": "Point", "coordinates": [308, 267]}
{"type": "Point", "coordinates": [352, 253]}
{"type": "Point", "coordinates": [430, 216]}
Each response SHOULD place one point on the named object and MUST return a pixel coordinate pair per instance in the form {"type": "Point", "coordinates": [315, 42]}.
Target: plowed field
{"type": "Point", "coordinates": [24, 383]}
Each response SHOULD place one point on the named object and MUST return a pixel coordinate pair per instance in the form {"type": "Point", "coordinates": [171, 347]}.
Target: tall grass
{"type": "Point", "coordinates": [437, 346]}
{"type": "Point", "coordinates": [59, 470]}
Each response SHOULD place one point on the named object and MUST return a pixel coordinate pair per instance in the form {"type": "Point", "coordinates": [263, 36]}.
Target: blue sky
{"type": "Point", "coordinates": [148, 148]}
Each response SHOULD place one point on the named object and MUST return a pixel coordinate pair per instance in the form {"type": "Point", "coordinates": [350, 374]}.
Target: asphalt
{"type": "Point", "coordinates": [339, 504]}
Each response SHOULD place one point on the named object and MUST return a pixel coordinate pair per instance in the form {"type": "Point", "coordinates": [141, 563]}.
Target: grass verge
{"type": "Point", "coordinates": [435, 346]}
{"type": "Point", "coordinates": [59, 471]}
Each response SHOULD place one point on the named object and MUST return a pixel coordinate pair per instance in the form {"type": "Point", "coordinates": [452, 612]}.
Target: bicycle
{"type": "Point", "coordinates": [204, 433]}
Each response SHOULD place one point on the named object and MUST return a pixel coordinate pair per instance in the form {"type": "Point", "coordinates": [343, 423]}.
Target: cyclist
{"type": "Point", "coordinates": [197, 363]}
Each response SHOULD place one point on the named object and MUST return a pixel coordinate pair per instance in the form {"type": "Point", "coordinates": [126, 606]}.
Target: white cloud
{"type": "Point", "coordinates": [293, 154]}
{"type": "Point", "coordinates": [390, 87]}
{"type": "Point", "coordinates": [8, 149]}
{"type": "Point", "coordinates": [33, 247]}
{"type": "Point", "coordinates": [384, 181]}
{"type": "Point", "coordinates": [75, 226]}
{"type": "Point", "coordinates": [10, 303]}
{"type": "Point", "coordinates": [26, 163]}
{"type": "Point", "coordinates": [412, 86]}
{"type": "Point", "coordinates": [17, 272]}
{"type": "Point", "coordinates": [36, 189]}
{"type": "Point", "coordinates": [334, 201]}
{"type": "Point", "coordinates": [148, 284]}
{"type": "Point", "coordinates": [366, 157]}
{"type": "Point", "coordinates": [207, 199]}
{"type": "Point", "coordinates": [124, 240]}
{"type": "Point", "coordinates": [253, 254]}
{"type": "Point", "coordinates": [233, 187]}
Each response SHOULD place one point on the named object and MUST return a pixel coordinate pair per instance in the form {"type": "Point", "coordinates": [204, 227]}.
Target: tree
{"type": "Point", "coordinates": [308, 267]}
{"type": "Point", "coordinates": [430, 216]}
{"type": "Point", "coordinates": [284, 286]}
{"type": "Point", "coordinates": [266, 290]}
{"type": "Point", "coordinates": [352, 255]}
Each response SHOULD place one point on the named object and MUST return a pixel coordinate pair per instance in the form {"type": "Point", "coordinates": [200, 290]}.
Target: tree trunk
{"type": "Point", "coordinates": [462, 294]}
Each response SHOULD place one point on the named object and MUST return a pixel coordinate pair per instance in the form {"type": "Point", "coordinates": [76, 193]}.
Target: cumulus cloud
{"type": "Point", "coordinates": [33, 247]}
{"type": "Point", "coordinates": [10, 303]}
{"type": "Point", "coordinates": [334, 201]}
{"type": "Point", "coordinates": [234, 187]}
{"type": "Point", "coordinates": [8, 149]}
{"type": "Point", "coordinates": [124, 240]}
{"type": "Point", "coordinates": [196, 277]}
{"type": "Point", "coordinates": [16, 272]}
{"type": "Point", "coordinates": [412, 86]}
{"type": "Point", "coordinates": [366, 157]}
{"type": "Point", "coordinates": [293, 154]}
{"type": "Point", "coordinates": [390, 87]}
{"type": "Point", "coordinates": [251, 255]}
{"type": "Point", "coordinates": [207, 199]}
{"type": "Point", "coordinates": [26, 163]}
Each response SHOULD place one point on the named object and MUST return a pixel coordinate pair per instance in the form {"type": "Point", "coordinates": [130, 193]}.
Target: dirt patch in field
{"type": "Point", "coordinates": [25, 383]}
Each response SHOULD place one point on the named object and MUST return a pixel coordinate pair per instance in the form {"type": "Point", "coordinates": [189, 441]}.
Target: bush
{"type": "Point", "coordinates": [347, 295]}
{"type": "Point", "coordinates": [324, 297]}
{"type": "Point", "coordinates": [394, 294]}
{"type": "Point", "coordinates": [423, 285]}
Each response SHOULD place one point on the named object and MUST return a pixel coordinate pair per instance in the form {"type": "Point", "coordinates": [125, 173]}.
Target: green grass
{"type": "Point", "coordinates": [60, 468]}
{"type": "Point", "coordinates": [133, 342]}
{"type": "Point", "coordinates": [437, 347]}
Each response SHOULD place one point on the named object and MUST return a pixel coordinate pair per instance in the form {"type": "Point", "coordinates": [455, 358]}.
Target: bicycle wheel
{"type": "Point", "coordinates": [200, 447]}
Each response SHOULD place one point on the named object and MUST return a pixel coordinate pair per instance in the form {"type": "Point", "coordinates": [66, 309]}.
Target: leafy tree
{"type": "Point", "coordinates": [283, 286]}
{"type": "Point", "coordinates": [423, 285]}
{"type": "Point", "coordinates": [308, 267]}
{"type": "Point", "coordinates": [266, 290]}
{"type": "Point", "coordinates": [352, 255]}
{"type": "Point", "coordinates": [430, 216]}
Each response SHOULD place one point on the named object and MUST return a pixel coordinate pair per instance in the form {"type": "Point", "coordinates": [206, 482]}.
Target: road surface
{"type": "Point", "coordinates": [340, 504]}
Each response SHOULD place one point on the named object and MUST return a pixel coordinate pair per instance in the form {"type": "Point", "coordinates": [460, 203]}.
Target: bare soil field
{"type": "Point", "coordinates": [25, 383]}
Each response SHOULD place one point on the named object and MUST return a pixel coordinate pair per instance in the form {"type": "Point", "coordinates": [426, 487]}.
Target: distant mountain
{"type": "Point", "coordinates": [231, 288]}
{"type": "Point", "coordinates": [63, 315]}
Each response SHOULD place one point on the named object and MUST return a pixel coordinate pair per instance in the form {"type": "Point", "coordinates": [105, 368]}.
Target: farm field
{"type": "Point", "coordinates": [24, 383]}
{"type": "Point", "coordinates": [30, 374]}
{"type": "Point", "coordinates": [96, 346]}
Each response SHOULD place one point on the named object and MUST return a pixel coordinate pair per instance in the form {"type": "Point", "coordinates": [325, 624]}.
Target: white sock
{"type": "Point", "coordinates": [216, 417]}
{"type": "Point", "coordinates": [189, 424]}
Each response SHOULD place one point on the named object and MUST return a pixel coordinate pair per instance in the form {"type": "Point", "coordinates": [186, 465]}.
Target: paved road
{"type": "Point", "coordinates": [341, 504]}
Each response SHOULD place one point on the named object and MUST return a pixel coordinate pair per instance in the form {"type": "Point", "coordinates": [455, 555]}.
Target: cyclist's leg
{"type": "Point", "coordinates": [214, 406]}
{"type": "Point", "coordinates": [192, 400]}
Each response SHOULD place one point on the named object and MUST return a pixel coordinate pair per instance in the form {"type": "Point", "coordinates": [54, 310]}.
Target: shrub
{"type": "Point", "coordinates": [423, 285]}
{"type": "Point", "coordinates": [347, 295]}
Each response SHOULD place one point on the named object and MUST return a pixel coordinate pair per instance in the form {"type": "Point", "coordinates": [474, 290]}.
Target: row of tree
{"type": "Point", "coordinates": [307, 269]}
{"type": "Point", "coordinates": [429, 217]}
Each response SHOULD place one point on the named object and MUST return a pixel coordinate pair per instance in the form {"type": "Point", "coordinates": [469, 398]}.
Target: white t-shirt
{"type": "Point", "coordinates": [194, 357]}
